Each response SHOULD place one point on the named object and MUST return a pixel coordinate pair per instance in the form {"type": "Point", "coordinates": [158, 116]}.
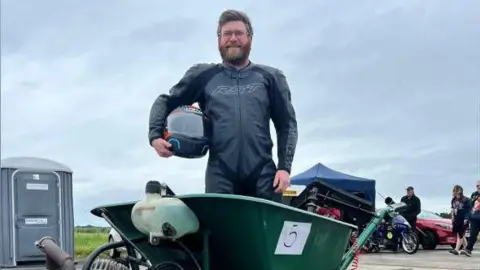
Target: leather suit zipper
{"type": "Point", "coordinates": [240, 158]}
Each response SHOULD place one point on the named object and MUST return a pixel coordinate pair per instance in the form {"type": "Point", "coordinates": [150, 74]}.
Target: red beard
{"type": "Point", "coordinates": [235, 54]}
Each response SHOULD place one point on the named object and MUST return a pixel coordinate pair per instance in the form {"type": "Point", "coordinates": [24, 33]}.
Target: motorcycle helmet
{"type": "Point", "coordinates": [185, 131]}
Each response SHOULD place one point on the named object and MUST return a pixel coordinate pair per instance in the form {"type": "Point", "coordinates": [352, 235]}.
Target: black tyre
{"type": "Point", "coordinates": [429, 240]}
{"type": "Point", "coordinates": [102, 264]}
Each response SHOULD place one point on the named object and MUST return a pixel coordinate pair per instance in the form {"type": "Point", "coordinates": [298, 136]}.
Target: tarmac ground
{"type": "Point", "coordinates": [438, 259]}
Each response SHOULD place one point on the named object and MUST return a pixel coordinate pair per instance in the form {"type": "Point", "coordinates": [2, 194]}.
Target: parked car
{"type": "Point", "coordinates": [113, 237]}
{"type": "Point", "coordinates": [434, 230]}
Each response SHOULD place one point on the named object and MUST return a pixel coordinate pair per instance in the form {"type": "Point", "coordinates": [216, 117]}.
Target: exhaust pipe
{"type": "Point", "coordinates": [56, 258]}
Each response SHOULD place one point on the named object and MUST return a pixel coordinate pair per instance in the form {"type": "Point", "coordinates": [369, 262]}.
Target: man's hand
{"type": "Point", "coordinates": [162, 147]}
{"type": "Point", "coordinates": [281, 181]}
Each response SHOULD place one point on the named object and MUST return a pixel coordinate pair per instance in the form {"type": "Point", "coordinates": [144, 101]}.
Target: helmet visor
{"type": "Point", "coordinates": [184, 123]}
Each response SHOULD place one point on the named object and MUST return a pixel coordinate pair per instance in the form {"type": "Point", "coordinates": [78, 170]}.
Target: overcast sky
{"type": "Point", "coordinates": [387, 90]}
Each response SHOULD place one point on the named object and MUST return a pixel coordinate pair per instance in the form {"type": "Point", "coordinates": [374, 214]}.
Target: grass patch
{"type": "Point", "coordinates": [87, 240]}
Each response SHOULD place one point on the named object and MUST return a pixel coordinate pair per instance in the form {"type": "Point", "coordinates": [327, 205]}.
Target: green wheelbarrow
{"type": "Point", "coordinates": [233, 233]}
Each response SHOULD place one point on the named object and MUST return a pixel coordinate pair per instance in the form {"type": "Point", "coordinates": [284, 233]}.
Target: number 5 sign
{"type": "Point", "coordinates": [293, 238]}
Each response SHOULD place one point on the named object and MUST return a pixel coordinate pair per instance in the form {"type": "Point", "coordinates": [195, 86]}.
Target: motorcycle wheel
{"type": "Point", "coordinates": [410, 243]}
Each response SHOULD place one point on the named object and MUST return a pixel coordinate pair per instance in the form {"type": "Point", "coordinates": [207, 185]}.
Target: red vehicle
{"type": "Point", "coordinates": [433, 230]}
{"type": "Point", "coordinates": [330, 212]}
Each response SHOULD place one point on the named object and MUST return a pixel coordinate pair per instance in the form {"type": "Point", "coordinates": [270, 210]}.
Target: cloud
{"type": "Point", "coordinates": [384, 90]}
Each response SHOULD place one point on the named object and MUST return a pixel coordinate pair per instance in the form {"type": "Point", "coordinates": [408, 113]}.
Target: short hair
{"type": "Point", "coordinates": [232, 16]}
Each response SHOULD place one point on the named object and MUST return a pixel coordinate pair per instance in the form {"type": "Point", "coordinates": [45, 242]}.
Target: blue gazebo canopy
{"type": "Point", "coordinates": [337, 179]}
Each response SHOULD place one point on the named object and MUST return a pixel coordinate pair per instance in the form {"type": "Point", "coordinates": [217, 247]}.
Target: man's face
{"type": "Point", "coordinates": [234, 43]}
{"type": "Point", "coordinates": [409, 192]}
{"type": "Point", "coordinates": [478, 186]}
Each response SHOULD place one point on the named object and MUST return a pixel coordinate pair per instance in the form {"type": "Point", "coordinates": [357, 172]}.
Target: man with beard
{"type": "Point", "coordinates": [239, 98]}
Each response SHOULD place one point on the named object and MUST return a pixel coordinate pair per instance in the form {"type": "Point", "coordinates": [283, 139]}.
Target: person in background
{"type": "Point", "coordinates": [474, 220]}
{"type": "Point", "coordinates": [413, 208]}
{"type": "Point", "coordinates": [460, 207]}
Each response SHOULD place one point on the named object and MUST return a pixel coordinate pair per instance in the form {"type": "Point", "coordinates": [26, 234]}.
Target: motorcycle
{"type": "Point", "coordinates": [394, 229]}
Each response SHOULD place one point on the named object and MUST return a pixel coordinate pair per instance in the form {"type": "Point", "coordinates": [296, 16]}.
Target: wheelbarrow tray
{"type": "Point", "coordinates": [239, 232]}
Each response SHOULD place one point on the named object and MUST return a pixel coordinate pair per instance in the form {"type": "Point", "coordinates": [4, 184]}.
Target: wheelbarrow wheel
{"type": "Point", "coordinates": [107, 264]}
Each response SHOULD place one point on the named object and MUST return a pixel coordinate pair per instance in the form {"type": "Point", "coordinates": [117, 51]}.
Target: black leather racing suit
{"type": "Point", "coordinates": [239, 105]}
